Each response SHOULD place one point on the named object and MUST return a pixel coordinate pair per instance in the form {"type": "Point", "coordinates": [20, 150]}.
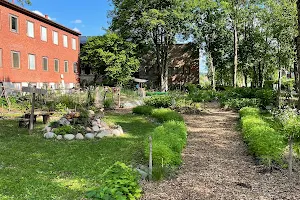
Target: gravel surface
{"type": "Point", "coordinates": [217, 166]}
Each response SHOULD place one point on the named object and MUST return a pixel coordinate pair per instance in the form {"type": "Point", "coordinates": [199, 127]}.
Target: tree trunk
{"type": "Point", "coordinates": [298, 50]}
{"type": "Point", "coordinates": [279, 86]}
{"type": "Point", "coordinates": [290, 157]}
{"type": "Point", "coordinates": [235, 53]}
{"type": "Point", "coordinates": [212, 68]}
{"type": "Point", "coordinates": [246, 80]}
{"type": "Point", "coordinates": [296, 76]}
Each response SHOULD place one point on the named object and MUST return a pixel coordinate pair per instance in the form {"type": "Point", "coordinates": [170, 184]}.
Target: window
{"type": "Point", "coordinates": [65, 38]}
{"type": "Point", "coordinates": [14, 27]}
{"type": "Point", "coordinates": [0, 57]}
{"type": "Point", "coordinates": [30, 29]}
{"type": "Point", "coordinates": [45, 63]}
{"type": "Point", "coordinates": [15, 59]}
{"type": "Point", "coordinates": [43, 33]}
{"type": "Point", "coordinates": [66, 66]}
{"type": "Point", "coordinates": [75, 67]}
{"type": "Point", "coordinates": [31, 61]}
{"type": "Point", "coordinates": [74, 43]}
{"type": "Point", "coordinates": [55, 37]}
{"type": "Point", "coordinates": [56, 65]}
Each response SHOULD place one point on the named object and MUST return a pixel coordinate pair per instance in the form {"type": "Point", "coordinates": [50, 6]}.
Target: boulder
{"type": "Point", "coordinates": [94, 123]}
{"type": "Point", "coordinates": [91, 113]}
{"type": "Point", "coordinates": [103, 129]}
{"type": "Point", "coordinates": [88, 129]}
{"type": "Point", "coordinates": [63, 121]}
{"type": "Point", "coordinates": [89, 136]}
{"type": "Point", "coordinates": [79, 136]}
{"type": "Point", "coordinates": [96, 128]}
{"type": "Point", "coordinates": [69, 137]}
{"type": "Point", "coordinates": [116, 132]}
{"type": "Point", "coordinates": [103, 134]}
{"type": "Point", "coordinates": [47, 129]}
{"type": "Point", "coordinates": [49, 135]}
{"type": "Point", "coordinates": [98, 121]}
{"type": "Point", "coordinates": [59, 137]}
{"type": "Point", "coordinates": [121, 130]}
{"type": "Point", "coordinates": [104, 125]}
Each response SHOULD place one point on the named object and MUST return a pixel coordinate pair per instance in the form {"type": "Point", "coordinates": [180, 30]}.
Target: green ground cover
{"type": "Point", "coordinates": [34, 168]}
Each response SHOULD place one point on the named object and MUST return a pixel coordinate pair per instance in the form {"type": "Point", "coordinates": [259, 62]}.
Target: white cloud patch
{"type": "Point", "coordinates": [76, 29]}
{"type": "Point", "coordinates": [41, 14]}
{"type": "Point", "coordinates": [77, 21]}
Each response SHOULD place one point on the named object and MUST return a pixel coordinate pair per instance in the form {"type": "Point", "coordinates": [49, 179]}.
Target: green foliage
{"type": "Point", "coordinates": [159, 101]}
{"type": "Point", "coordinates": [166, 114]}
{"type": "Point", "coordinates": [64, 130]}
{"type": "Point", "coordinates": [112, 56]}
{"type": "Point", "coordinates": [156, 93]}
{"type": "Point", "coordinates": [108, 103]}
{"type": "Point", "coordinates": [240, 103]}
{"type": "Point", "coordinates": [203, 95]}
{"type": "Point", "coordinates": [249, 111]}
{"type": "Point", "coordinates": [120, 182]}
{"type": "Point", "coordinates": [263, 141]}
{"type": "Point", "coordinates": [143, 110]}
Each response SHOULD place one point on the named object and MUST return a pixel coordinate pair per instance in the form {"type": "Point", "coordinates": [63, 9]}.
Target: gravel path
{"type": "Point", "coordinates": [217, 166]}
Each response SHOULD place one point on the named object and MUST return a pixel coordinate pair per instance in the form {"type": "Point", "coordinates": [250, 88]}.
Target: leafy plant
{"type": "Point", "coordinates": [166, 114]}
{"type": "Point", "coordinates": [120, 182]}
{"type": "Point", "coordinates": [159, 101]}
{"type": "Point", "coordinates": [240, 103]}
{"type": "Point", "coordinates": [64, 130]}
{"type": "Point", "coordinates": [143, 110]}
{"type": "Point", "coordinates": [108, 103]}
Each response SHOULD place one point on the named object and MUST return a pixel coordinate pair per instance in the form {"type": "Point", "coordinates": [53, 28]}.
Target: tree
{"type": "Point", "coordinates": [111, 56]}
{"type": "Point", "coordinates": [152, 25]}
{"type": "Point", "coordinates": [298, 49]}
{"type": "Point", "coordinates": [23, 2]}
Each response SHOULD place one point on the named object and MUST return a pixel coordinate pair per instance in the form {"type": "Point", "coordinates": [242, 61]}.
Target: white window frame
{"type": "Point", "coordinates": [55, 33]}
{"type": "Point", "coordinates": [74, 44]}
{"type": "Point", "coordinates": [34, 62]}
{"type": "Point", "coordinates": [66, 62]}
{"type": "Point", "coordinates": [65, 41]}
{"type": "Point", "coordinates": [75, 67]}
{"type": "Point", "coordinates": [46, 36]}
{"type": "Point", "coordinates": [57, 65]}
{"type": "Point", "coordinates": [10, 23]}
{"type": "Point", "coordinates": [45, 57]}
{"type": "Point", "coordinates": [28, 31]}
{"type": "Point", "coordinates": [12, 59]}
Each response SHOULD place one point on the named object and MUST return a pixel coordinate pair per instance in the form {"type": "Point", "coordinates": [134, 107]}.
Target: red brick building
{"type": "Point", "coordinates": [36, 50]}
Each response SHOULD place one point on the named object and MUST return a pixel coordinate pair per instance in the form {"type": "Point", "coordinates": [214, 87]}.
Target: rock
{"type": "Point", "coordinates": [96, 128]}
{"type": "Point", "coordinates": [94, 123]}
{"type": "Point", "coordinates": [103, 129]}
{"type": "Point", "coordinates": [91, 113]}
{"type": "Point", "coordinates": [69, 137]}
{"type": "Point", "coordinates": [128, 105]}
{"type": "Point", "coordinates": [89, 136]}
{"type": "Point", "coordinates": [98, 121]}
{"type": "Point", "coordinates": [103, 134]}
{"type": "Point", "coordinates": [79, 136]}
{"type": "Point", "coordinates": [63, 121]}
{"type": "Point", "coordinates": [47, 129]}
{"type": "Point", "coordinates": [88, 129]}
{"type": "Point", "coordinates": [116, 132]}
{"type": "Point", "coordinates": [59, 137]}
{"type": "Point", "coordinates": [49, 135]}
{"type": "Point", "coordinates": [121, 130]}
{"type": "Point", "coordinates": [104, 125]}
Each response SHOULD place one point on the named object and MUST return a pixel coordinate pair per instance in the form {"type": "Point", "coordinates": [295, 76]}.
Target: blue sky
{"type": "Point", "coordinates": [89, 16]}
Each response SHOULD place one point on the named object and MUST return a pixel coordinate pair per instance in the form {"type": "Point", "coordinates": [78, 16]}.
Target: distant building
{"type": "Point", "coordinates": [35, 50]}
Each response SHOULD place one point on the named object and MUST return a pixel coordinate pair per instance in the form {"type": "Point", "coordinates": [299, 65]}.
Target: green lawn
{"type": "Point", "coordinates": [34, 168]}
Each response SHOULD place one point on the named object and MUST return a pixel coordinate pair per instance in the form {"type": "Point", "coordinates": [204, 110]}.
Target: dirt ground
{"type": "Point", "coordinates": [217, 166]}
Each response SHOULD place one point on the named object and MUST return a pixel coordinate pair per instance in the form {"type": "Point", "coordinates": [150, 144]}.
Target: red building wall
{"type": "Point", "coordinates": [11, 41]}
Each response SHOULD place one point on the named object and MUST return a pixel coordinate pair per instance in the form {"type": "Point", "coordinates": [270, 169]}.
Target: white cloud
{"type": "Point", "coordinates": [41, 14]}
{"type": "Point", "coordinates": [77, 21]}
{"type": "Point", "coordinates": [76, 29]}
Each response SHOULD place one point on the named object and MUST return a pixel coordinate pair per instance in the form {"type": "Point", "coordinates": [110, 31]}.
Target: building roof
{"type": "Point", "coordinates": [24, 11]}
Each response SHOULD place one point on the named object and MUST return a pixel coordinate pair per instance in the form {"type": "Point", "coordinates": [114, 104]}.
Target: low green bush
{"type": "Point", "coordinates": [263, 141]}
{"type": "Point", "coordinates": [143, 110]}
{"type": "Point", "coordinates": [267, 97]}
{"type": "Point", "coordinates": [64, 130]}
{"type": "Point", "coordinates": [203, 95]}
{"type": "Point", "coordinates": [159, 101]}
{"type": "Point", "coordinates": [166, 114]}
{"type": "Point", "coordinates": [120, 182]}
{"type": "Point", "coordinates": [108, 103]}
{"type": "Point", "coordinates": [156, 93]}
{"type": "Point", "coordinates": [240, 103]}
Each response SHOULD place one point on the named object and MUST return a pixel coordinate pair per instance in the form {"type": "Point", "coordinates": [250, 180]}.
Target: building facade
{"type": "Point", "coordinates": [35, 50]}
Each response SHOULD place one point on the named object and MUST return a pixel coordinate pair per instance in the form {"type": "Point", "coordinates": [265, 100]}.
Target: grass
{"type": "Point", "coordinates": [34, 168]}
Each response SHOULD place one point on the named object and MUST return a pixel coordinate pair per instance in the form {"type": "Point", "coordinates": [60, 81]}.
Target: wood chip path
{"type": "Point", "coordinates": [217, 166]}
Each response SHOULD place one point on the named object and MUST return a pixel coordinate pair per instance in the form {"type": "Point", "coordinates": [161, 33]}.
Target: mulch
{"type": "Point", "coordinates": [217, 165]}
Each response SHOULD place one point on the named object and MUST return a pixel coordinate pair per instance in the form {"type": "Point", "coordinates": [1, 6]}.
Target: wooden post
{"type": "Point", "coordinates": [32, 110]}
{"type": "Point", "coordinates": [150, 158]}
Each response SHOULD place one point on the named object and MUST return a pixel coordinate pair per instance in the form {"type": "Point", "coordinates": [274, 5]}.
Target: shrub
{"type": "Point", "coordinates": [64, 130]}
{"type": "Point", "coordinates": [159, 101]}
{"type": "Point", "coordinates": [108, 103]}
{"type": "Point", "coordinates": [166, 114]}
{"type": "Point", "coordinates": [249, 111]}
{"type": "Point", "coordinates": [240, 103]}
{"type": "Point", "coordinates": [267, 97]}
{"type": "Point", "coordinates": [203, 95]}
{"type": "Point", "coordinates": [156, 93]}
{"type": "Point", "coordinates": [120, 182]}
{"type": "Point", "coordinates": [143, 110]}
{"type": "Point", "coordinates": [263, 141]}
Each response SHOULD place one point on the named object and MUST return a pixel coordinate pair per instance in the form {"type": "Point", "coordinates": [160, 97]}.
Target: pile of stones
{"type": "Point", "coordinates": [96, 128]}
